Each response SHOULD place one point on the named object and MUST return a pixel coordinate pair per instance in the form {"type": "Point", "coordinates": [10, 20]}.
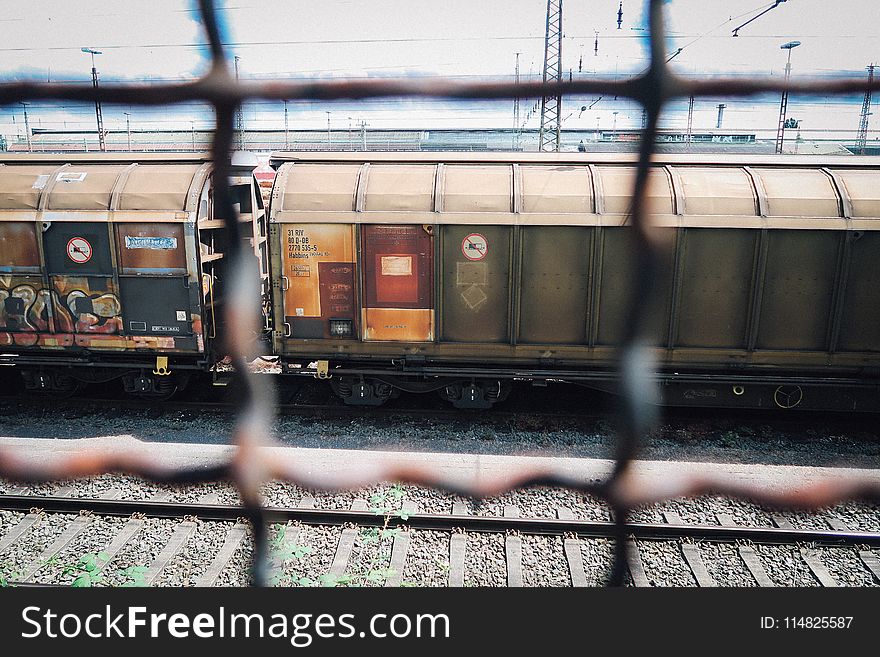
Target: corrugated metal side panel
{"type": "Point", "coordinates": [716, 279]}
{"type": "Point", "coordinates": [860, 322]}
{"type": "Point", "coordinates": [716, 191]}
{"type": "Point", "coordinates": [798, 289]}
{"type": "Point", "coordinates": [617, 185]}
{"type": "Point", "coordinates": [798, 193]}
{"type": "Point", "coordinates": [400, 188]}
{"type": "Point", "coordinates": [472, 188]}
{"type": "Point", "coordinates": [22, 185]}
{"type": "Point", "coordinates": [556, 189]}
{"type": "Point", "coordinates": [320, 187]}
{"type": "Point", "coordinates": [157, 187]}
{"type": "Point", "coordinates": [475, 289]}
{"type": "Point", "coordinates": [554, 286]}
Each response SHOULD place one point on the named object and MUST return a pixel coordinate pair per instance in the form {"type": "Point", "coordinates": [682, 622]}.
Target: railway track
{"type": "Point", "coordinates": [370, 544]}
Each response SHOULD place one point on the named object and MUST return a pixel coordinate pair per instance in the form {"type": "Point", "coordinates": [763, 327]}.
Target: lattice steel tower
{"type": "Point", "coordinates": [862, 138]}
{"type": "Point", "coordinates": [551, 106]}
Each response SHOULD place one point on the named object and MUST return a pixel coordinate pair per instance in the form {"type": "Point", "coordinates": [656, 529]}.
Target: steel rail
{"type": "Point", "coordinates": [441, 522]}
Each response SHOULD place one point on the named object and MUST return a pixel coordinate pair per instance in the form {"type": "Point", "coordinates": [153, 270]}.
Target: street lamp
{"type": "Point", "coordinates": [783, 105]}
{"type": "Point", "coordinates": [98, 116]}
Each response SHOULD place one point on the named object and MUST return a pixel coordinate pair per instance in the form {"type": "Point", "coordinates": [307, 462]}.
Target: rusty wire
{"type": "Point", "coordinates": [251, 466]}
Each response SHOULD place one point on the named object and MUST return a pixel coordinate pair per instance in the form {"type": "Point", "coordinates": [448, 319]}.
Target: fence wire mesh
{"type": "Point", "coordinates": [251, 465]}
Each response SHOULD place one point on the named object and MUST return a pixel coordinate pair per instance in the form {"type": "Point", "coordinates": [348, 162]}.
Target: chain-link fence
{"type": "Point", "coordinates": [251, 466]}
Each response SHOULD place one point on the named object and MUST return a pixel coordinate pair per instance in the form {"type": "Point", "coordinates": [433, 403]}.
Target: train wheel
{"type": "Point", "coordinates": [159, 388]}
{"type": "Point", "coordinates": [51, 383]}
{"type": "Point", "coordinates": [476, 394]}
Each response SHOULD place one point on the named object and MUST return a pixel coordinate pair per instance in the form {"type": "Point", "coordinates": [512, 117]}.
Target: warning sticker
{"type": "Point", "coordinates": [79, 250]}
{"type": "Point", "coordinates": [160, 243]}
{"type": "Point", "coordinates": [475, 246]}
{"type": "Point", "coordinates": [397, 265]}
{"type": "Point", "coordinates": [181, 315]}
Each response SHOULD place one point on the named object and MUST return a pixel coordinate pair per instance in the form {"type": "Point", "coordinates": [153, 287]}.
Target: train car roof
{"type": "Point", "coordinates": [278, 158]}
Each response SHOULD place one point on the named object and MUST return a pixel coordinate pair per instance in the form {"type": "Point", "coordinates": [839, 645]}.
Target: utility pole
{"type": "Point", "coordinates": [239, 113]}
{"type": "Point", "coordinates": [286, 131]}
{"type": "Point", "coordinates": [98, 115]}
{"type": "Point", "coordinates": [27, 127]}
{"type": "Point", "coordinates": [193, 127]}
{"type": "Point", "coordinates": [128, 128]}
{"type": "Point", "coordinates": [364, 135]}
{"type": "Point", "coordinates": [350, 143]}
{"type": "Point", "coordinates": [783, 105]}
{"type": "Point", "coordinates": [690, 131]}
{"type": "Point", "coordinates": [721, 107]}
{"type": "Point", "coordinates": [516, 107]}
{"type": "Point", "coordinates": [862, 138]}
{"type": "Point", "coordinates": [551, 106]}
{"type": "Point", "coordinates": [329, 143]}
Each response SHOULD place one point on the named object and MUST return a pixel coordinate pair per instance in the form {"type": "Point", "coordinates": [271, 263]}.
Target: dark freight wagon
{"type": "Point", "coordinates": [462, 272]}
{"type": "Point", "coordinates": [111, 266]}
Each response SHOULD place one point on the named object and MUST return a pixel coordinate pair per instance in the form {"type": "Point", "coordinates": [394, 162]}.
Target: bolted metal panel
{"type": "Point", "coordinates": [24, 310]}
{"type": "Point", "coordinates": [155, 248]}
{"type": "Point", "coordinates": [798, 289]}
{"type": "Point", "coordinates": [19, 250]}
{"type": "Point", "coordinates": [156, 305]}
{"type": "Point", "coordinates": [616, 278]}
{"type": "Point", "coordinates": [77, 249]}
{"type": "Point", "coordinates": [87, 305]}
{"type": "Point", "coordinates": [476, 287]}
{"type": "Point", "coordinates": [717, 269]}
{"type": "Point", "coordinates": [860, 323]}
{"type": "Point", "coordinates": [863, 188]}
{"type": "Point", "coordinates": [555, 283]}
{"type": "Point", "coordinates": [318, 277]}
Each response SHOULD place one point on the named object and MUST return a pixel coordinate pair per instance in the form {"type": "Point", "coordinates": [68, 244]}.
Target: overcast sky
{"type": "Point", "coordinates": [162, 40]}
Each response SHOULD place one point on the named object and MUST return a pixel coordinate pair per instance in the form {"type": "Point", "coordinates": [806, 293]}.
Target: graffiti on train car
{"type": "Point", "coordinates": [71, 312]}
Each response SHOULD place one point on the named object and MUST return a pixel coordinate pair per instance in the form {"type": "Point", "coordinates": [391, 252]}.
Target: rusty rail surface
{"type": "Point", "coordinates": [251, 466]}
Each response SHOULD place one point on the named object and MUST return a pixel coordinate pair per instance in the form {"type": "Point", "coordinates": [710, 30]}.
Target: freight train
{"type": "Point", "coordinates": [452, 273]}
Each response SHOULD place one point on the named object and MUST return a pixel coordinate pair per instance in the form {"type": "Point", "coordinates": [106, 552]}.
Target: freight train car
{"type": "Point", "coordinates": [463, 272]}
{"type": "Point", "coordinates": [112, 267]}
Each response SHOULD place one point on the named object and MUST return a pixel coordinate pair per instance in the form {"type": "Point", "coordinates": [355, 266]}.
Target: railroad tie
{"type": "Point", "coordinates": [178, 539]}
{"type": "Point", "coordinates": [573, 554]}
{"type": "Point", "coordinates": [810, 556]}
{"type": "Point", "coordinates": [513, 550]}
{"type": "Point", "coordinates": [868, 557]}
{"type": "Point", "coordinates": [346, 543]}
{"type": "Point", "coordinates": [17, 490]}
{"type": "Point", "coordinates": [457, 545]}
{"type": "Point", "coordinates": [21, 529]}
{"type": "Point", "coordinates": [814, 563]}
{"type": "Point", "coordinates": [400, 548]}
{"type": "Point", "coordinates": [234, 538]}
{"type": "Point", "coordinates": [692, 555]}
{"type": "Point", "coordinates": [288, 543]}
{"type": "Point", "coordinates": [73, 529]}
{"type": "Point", "coordinates": [748, 555]}
{"type": "Point", "coordinates": [634, 562]}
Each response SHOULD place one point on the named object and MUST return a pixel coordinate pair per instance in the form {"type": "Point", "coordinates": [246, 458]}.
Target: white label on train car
{"type": "Point", "coordinates": [158, 243]}
{"type": "Point", "coordinates": [181, 315]}
{"type": "Point", "coordinates": [79, 250]}
{"type": "Point", "coordinates": [475, 246]}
